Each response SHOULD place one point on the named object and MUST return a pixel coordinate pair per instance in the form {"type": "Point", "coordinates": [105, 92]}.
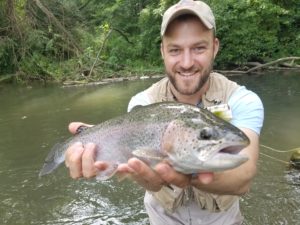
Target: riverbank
{"type": "Point", "coordinates": [90, 78]}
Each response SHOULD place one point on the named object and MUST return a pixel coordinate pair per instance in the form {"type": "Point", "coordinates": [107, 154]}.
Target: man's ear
{"type": "Point", "coordinates": [161, 50]}
{"type": "Point", "coordinates": [216, 46]}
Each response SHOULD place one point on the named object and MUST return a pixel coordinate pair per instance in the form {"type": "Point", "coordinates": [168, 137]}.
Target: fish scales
{"type": "Point", "coordinates": [191, 139]}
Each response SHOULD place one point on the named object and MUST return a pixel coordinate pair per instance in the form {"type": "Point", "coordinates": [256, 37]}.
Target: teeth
{"type": "Point", "coordinates": [186, 74]}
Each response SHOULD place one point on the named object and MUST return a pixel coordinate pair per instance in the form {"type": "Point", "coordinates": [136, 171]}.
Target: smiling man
{"type": "Point", "coordinates": [189, 47]}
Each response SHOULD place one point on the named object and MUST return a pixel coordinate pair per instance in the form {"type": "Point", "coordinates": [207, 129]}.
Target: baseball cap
{"type": "Point", "coordinates": [198, 8]}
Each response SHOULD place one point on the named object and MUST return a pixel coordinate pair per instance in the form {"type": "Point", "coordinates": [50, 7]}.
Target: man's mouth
{"type": "Point", "coordinates": [188, 75]}
{"type": "Point", "coordinates": [185, 74]}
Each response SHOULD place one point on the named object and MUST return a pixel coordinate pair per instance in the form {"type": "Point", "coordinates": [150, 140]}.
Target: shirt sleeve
{"type": "Point", "coordinates": [247, 110]}
{"type": "Point", "coordinates": [140, 98]}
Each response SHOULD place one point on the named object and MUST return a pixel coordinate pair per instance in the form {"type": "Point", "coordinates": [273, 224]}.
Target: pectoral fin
{"type": "Point", "coordinates": [148, 154]}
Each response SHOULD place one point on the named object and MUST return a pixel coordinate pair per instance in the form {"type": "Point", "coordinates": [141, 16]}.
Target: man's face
{"type": "Point", "coordinates": [188, 50]}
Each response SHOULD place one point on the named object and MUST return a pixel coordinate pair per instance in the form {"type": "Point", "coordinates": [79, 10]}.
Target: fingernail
{"type": "Point", "coordinates": [162, 169]}
{"type": "Point", "coordinates": [134, 164]}
{"type": "Point", "coordinates": [78, 143]}
{"type": "Point", "coordinates": [81, 129]}
{"type": "Point", "coordinates": [205, 179]}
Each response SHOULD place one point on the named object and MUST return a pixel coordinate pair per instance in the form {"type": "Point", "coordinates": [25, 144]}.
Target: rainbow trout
{"type": "Point", "coordinates": [189, 138]}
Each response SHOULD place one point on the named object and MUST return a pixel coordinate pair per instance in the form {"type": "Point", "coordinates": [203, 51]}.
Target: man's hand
{"type": "Point", "coordinates": [81, 159]}
{"type": "Point", "coordinates": [162, 174]}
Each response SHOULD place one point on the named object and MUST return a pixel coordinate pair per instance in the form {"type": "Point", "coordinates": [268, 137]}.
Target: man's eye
{"type": "Point", "coordinates": [174, 51]}
{"type": "Point", "coordinates": [199, 49]}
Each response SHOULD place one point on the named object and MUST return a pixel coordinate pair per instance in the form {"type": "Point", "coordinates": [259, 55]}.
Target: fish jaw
{"type": "Point", "coordinates": [226, 158]}
{"type": "Point", "coordinates": [223, 159]}
{"type": "Point", "coordinates": [220, 162]}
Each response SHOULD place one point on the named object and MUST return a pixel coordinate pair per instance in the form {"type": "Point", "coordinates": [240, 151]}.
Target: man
{"type": "Point", "coordinates": [188, 49]}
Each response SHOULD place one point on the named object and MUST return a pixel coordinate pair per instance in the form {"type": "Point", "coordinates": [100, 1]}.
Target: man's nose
{"type": "Point", "coordinates": [187, 60]}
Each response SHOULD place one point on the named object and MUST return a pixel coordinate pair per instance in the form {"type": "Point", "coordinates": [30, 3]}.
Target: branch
{"type": "Point", "coordinates": [99, 52]}
{"type": "Point", "coordinates": [272, 63]}
{"type": "Point", "coordinates": [123, 34]}
{"type": "Point", "coordinates": [84, 5]}
{"type": "Point", "coordinates": [260, 66]}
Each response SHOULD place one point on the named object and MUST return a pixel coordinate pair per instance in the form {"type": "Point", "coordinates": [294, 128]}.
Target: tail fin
{"type": "Point", "coordinates": [53, 160]}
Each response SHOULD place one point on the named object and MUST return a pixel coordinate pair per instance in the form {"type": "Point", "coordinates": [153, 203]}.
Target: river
{"type": "Point", "coordinates": [34, 118]}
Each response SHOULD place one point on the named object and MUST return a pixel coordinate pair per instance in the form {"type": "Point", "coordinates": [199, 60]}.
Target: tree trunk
{"type": "Point", "coordinates": [57, 23]}
{"type": "Point", "coordinates": [12, 20]}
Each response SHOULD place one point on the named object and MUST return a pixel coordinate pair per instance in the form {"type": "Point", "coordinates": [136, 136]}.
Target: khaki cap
{"type": "Point", "coordinates": [198, 8]}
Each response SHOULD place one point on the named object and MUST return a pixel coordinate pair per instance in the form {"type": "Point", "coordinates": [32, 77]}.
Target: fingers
{"type": "Point", "coordinates": [170, 176]}
{"type": "Point", "coordinates": [163, 174]}
{"type": "Point", "coordinates": [88, 161]}
{"type": "Point", "coordinates": [142, 174]}
{"type": "Point", "coordinates": [81, 160]}
{"type": "Point", "coordinates": [73, 157]}
{"type": "Point", "coordinates": [75, 127]}
{"type": "Point", "coordinates": [78, 158]}
{"type": "Point", "coordinates": [205, 178]}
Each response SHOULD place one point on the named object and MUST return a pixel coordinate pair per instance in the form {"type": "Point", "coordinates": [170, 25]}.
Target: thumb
{"type": "Point", "coordinates": [205, 178]}
{"type": "Point", "coordinates": [77, 127]}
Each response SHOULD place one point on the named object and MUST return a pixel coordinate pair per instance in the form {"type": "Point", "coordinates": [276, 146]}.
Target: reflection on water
{"type": "Point", "coordinates": [33, 119]}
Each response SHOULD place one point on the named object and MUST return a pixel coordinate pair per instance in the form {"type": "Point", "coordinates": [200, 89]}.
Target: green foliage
{"type": "Point", "coordinates": [252, 30]}
{"type": "Point", "coordinates": [7, 61]}
{"type": "Point", "coordinates": [98, 38]}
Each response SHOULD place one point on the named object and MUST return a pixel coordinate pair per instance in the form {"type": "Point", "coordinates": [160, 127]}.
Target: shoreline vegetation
{"type": "Point", "coordinates": [86, 41]}
{"type": "Point", "coordinates": [287, 63]}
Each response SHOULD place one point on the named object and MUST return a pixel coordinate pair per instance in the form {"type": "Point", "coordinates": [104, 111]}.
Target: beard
{"type": "Point", "coordinates": [195, 85]}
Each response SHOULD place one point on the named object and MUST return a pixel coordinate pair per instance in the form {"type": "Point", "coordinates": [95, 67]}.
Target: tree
{"type": "Point", "coordinates": [62, 39]}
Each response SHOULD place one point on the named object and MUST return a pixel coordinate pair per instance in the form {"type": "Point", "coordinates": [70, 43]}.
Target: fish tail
{"type": "Point", "coordinates": [53, 160]}
{"type": "Point", "coordinates": [48, 167]}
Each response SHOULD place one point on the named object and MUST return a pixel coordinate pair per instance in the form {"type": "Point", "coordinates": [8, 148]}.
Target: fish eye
{"type": "Point", "coordinates": [206, 133]}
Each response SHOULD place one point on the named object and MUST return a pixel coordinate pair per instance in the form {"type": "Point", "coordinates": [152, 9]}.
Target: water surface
{"type": "Point", "coordinates": [33, 119]}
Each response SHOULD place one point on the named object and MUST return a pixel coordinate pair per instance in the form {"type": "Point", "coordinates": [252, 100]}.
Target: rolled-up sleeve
{"type": "Point", "coordinates": [247, 109]}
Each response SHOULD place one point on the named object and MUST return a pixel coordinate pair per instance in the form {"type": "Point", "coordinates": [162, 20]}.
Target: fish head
{"type": "Point", "coordinates": [199, 141]}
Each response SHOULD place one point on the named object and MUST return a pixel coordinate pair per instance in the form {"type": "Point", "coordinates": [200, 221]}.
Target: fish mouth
{"type": "Point", "coordinates": [226, 158]}
{"type": "Point", "coordinates": [233, 149]}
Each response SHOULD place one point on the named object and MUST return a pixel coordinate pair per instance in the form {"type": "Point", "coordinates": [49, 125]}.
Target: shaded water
{"type": "Point", "coordinates": [32, 119]}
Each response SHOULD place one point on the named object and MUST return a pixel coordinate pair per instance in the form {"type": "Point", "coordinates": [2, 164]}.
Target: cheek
{"type": "Point", "coordinates": [170, 62]}
{"type": "Point", "coordinates": [205, 59]}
